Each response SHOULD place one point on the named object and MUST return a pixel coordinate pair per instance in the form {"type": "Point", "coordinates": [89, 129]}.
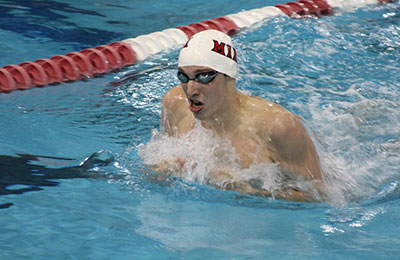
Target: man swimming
{"type": "Point", "coordinates": [260, 131]}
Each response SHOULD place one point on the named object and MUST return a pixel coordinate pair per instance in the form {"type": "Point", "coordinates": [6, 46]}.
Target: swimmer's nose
{"type": "Point", "coordinates": [192, 88]}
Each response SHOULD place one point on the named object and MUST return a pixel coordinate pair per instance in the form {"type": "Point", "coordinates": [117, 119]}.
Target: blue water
{"type": "Point", "coordinates": [71, 180]}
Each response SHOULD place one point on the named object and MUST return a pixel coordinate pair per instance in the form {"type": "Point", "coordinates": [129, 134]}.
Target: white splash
{"type": "Point", "coordinates": [198, 149]}
{"type": "Point", "coordinates": [203, 155]}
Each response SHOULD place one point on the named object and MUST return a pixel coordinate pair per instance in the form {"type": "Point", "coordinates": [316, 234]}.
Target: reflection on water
{"type": "Point", "coordinates": [27, 172]}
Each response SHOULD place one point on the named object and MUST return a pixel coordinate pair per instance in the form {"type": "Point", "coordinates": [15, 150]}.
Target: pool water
{"type": "Point", "coordinates": [72, 182]}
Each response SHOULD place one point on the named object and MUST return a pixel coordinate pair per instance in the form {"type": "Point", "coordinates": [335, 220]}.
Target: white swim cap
{"type": "Point", "coordinates": [210, 48]}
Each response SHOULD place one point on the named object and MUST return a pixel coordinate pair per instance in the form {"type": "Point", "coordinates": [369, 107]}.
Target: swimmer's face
{"type": "Point", "coordinates": [204, 99]}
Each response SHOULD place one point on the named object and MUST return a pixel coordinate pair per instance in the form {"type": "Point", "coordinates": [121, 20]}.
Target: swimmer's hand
{"type": "Point", "coordinates": [168, 166]}
{"type": "Point", "coordinates": [223, 178]}
{"type": "Point", "coordinates": [174, 167]}
{"type": "Point", "coordinates": [163, 170]}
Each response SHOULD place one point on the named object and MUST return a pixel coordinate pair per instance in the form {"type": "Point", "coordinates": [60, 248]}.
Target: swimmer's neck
{"type": "Point", "coordinates": [227, 118]}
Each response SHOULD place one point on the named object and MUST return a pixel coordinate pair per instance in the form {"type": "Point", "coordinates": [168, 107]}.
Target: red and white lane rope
{"type": "Point", "coordinates": [102, 59]}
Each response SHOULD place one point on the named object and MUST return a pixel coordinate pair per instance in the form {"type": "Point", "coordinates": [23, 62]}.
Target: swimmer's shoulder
{"type": "Point", "coordinates": [176, 116]}
{"type": "Point", "coordinates": [265, 108]}
{"type": "Point", "coordinates": [271, 117]}
{"type": "Point", "coordinates": [174, 98]}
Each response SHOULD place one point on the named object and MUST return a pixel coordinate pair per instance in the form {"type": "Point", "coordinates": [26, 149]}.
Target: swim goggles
{"type": "Point", "coordinates": [202, 77]}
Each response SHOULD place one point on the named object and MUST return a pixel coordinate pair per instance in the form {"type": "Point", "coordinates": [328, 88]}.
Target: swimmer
{"type": "Point", "coordinates": [260, 131]}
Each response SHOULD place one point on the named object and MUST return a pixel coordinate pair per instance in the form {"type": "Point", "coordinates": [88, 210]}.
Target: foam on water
{"type": "Point", "coordinates": [361, 152]}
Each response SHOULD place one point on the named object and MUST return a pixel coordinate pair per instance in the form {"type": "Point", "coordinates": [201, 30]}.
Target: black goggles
{"type": "Point", "coordinates": [201, 77]}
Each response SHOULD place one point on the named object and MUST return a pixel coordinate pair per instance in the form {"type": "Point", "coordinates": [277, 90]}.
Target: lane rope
{"type": "Point", "coordinates": [105, 58]}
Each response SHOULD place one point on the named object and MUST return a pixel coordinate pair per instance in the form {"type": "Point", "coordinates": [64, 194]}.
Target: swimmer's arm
{"type": "Point", "coordinates": [250, 187]}
{"type": "Point", "coordinates": [223, 178]}
{"type": "Point", "coordinates": [293, 148]}
{"type": "Point", "coordinates": [172, 111]}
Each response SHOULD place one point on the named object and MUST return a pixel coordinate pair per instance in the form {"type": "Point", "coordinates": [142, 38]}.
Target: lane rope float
{"type": "Point", "coordinates": [102, 59]}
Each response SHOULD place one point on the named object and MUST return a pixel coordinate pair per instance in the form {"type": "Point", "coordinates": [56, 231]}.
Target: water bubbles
{"type": "Point", "coordinates": [388, 15]}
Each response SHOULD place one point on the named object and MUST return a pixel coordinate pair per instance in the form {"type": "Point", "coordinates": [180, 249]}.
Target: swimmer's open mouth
{"type": "Point", "coordinates": [195, 105]}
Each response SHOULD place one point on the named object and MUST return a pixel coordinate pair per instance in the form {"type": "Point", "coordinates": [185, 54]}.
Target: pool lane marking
{"type": "Point", "coordinates": [103, 59]}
